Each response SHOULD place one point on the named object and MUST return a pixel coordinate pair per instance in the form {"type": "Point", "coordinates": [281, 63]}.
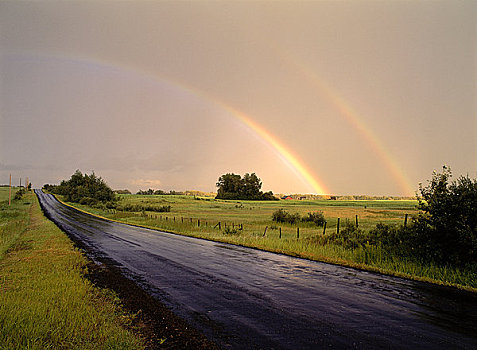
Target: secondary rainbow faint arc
{"type": "Point", "coordinates": [353, 118]}
{"type": "Point", "coordinates": [285, 153]}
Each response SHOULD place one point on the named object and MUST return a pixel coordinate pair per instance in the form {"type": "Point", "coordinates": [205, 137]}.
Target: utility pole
{"type": "Point", "coordinates": [10, 192]}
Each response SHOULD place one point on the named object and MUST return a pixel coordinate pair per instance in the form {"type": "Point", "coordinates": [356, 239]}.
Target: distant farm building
{"type": "Point", "coordinates": [287, 197]}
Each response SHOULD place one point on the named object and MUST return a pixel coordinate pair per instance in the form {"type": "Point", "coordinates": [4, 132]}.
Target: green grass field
{"type": "Point", "coordinates": [4, 193]}
{"type": "Point", "coordinates": [199, 217]}
{"type": "Point", "coordinates": [254, 216]}
{"type": "Point", "coordinates": [45, 301]}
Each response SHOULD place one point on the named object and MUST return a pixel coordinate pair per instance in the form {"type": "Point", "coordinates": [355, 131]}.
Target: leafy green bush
{"type": "Point", "coordinates": [282, 215]}
{"type": "Point", "coordinates": [316, 217]}
{"type": "Point", "coordinates": [88, 201]}
{"type": "Point", "coordinates": [19, 194]}
{"type": "Point", "coordinates": [350, 236]}
{"type": "Point", "coordinates": [446, 230]}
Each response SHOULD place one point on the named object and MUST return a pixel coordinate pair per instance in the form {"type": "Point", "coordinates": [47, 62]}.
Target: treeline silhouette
{"type": "Point", "coordinates": [83, 189]}
{"type": "Point", "coordinates": [233, 186]}
{"type": "Point", "coordinates": [151, 192]}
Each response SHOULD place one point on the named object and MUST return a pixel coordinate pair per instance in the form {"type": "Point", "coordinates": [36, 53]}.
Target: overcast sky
{"type": "Point", "coordinates": [369, 97]}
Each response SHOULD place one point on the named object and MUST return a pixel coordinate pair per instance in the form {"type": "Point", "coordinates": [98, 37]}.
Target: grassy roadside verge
{"type": "Point", "coordinates": [45, 300]}
{"type": "Point", "coordinates": [368, 257]}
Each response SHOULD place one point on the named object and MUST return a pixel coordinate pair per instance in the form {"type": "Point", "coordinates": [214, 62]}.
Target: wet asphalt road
{"type": "Point", "coordinates": [248, 299]}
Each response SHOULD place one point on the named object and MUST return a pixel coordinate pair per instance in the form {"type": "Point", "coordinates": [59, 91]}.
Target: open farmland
{"type": "Point", "coordinates": [201, 215]}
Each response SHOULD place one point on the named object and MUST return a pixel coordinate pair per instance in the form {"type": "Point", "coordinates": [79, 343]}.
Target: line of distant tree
{"type": "Point", "coordinates": [233, 186]}
{"type": "Point", "coordinates": [151, 192]}
{"type": "Point", "coordinates": [91, 190]}
{"type": "Point", "coordinates": [126, 191]}
{"type": "Point", "coordinates": [308, 197]}
{"type": "Point", "coordinates": [161, 192]}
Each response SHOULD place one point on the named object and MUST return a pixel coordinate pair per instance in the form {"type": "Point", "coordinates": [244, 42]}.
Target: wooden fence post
{"type": "Point", "coordinates": [10, 192]}
{"type": "Point", "coordinates": [338, 227]}
{"type": "Point", "coordinates": [356, 220]}
{"type": "Point", "coordinates": [182, 219]}
{"type": "Point", "coordinates": [324, 228]}
{"type": "Point", "coordinates": [264, 232]}
{"type": "Point", "coordinates": [198, 222]}
{"type": "Point", "coordinates": [280, 233]}
{"type": "Point", "coordinates": [405, 220]}
{"type": "Point", "coordinates": [219, 226]}
{"type": "Point", "coordinates": [297, 233]}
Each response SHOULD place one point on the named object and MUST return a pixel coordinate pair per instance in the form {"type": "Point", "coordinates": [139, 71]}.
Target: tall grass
{"type": "Point", "coordinates": [45, 301]}
{"type": "Point", "coordinates": [255, 217]}
{"type": "Point", "coordinates": [14, 219]}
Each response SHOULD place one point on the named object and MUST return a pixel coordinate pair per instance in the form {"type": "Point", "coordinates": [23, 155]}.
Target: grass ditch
{"type": "Point", "coordinates": [45, 300]}
{"type": "Point", "coordinates": [199, 218]}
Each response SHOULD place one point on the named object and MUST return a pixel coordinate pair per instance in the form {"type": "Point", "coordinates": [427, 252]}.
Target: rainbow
{"type": "Point", "coordinates": [285, 154]}
{"type": "Point", "coordinates": [354, 119]}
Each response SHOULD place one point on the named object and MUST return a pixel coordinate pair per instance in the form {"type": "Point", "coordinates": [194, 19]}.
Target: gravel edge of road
{"type": "Point", "coordinates": [155, 323]}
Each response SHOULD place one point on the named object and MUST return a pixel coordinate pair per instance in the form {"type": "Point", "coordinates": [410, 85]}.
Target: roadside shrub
{"type": "Point", "coordinates": [444, 232]}
{"type": "Point", "coordinates": [388, 235]}
{"type": "Point", "coordinates": [88, 201]}
{"type": "Point", "coordinates": [110, 205]}
{"type": "Point", "coordinates": [230, 231]}
{"type": "Point", "coordinates": [350, 236]}
{"type": "Point", "coordinates": [19, 194]}
{"type": "Point", "coordinates": [446, 229]}
{"type": "Point", "coordinates": [316, 217]}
